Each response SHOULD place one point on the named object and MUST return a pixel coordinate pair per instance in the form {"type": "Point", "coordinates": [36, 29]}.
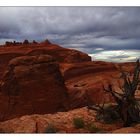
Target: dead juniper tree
{"type": "Point", "coordinates": [127, 105]}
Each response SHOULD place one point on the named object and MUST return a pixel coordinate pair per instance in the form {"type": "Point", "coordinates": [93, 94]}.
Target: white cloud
{"type": "Point", "coordinates": [83, 28]}
{"type": "Point", "coordinates": [117, 55]}
{"type": "Point", "coordinates": [98, 49]}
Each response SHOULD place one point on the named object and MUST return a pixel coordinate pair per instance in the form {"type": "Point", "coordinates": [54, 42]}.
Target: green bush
{"type": "Point", "coordinates": [50, 129]}
{"type": "Point", "coordinates": [78, 123]}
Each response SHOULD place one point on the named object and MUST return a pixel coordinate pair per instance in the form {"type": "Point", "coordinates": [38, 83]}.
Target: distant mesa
{"type": "Point", "coordinates": [9, 43]}
{"type": "Point", "coordinates": [14, 43]}
{"type": "Point", "coordinates": [25, 42]}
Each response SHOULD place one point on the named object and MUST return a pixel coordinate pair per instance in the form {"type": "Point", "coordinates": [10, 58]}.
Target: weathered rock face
{"type": "Point", "coordinates": [85, 81]}
{"type": "Point", "coordinates": [4, 60]}
{"type": "Point", "coordinates": [30, 81]}
{"type": "Point", "coordinates": [16, 49]}
{"type": "Point", "coordinates": [32, 84]}
{"type": "Point", "coordinates": [78, 69]}
{"type": "Point", "coordinates": [62, 54]}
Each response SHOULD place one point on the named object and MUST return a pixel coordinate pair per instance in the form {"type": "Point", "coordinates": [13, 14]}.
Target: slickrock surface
{"type": "Point", "coordinates": [62, 121]}
{"type": "Point", "coordinates": [127, 130]}
{"type": "Point", "coordinates": [85, 81]}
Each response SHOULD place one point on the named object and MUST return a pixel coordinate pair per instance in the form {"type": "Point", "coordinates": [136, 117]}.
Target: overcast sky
{"type": "Point", "coordinates": [106, 33]}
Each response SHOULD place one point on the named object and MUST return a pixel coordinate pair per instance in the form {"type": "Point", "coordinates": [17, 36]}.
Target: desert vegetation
{"type": "Point", "coordinates": [51, 129]}
{"type": "Point", "coordinates": [78, 123]}
{"type": "Point", "coordinates": [126, 106]}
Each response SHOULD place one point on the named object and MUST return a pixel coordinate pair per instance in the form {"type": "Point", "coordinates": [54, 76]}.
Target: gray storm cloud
{"type": "Point", "coordinates": [84, 28]}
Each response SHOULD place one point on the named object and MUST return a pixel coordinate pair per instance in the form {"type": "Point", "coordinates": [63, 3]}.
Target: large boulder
{"type": "Point", "coordinates": [32, 84]}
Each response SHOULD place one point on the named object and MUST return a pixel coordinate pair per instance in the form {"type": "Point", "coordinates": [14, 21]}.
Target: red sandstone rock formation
{"type": "Point", "coordinates": [32, 82]}
{"type": "Point", "coordinates": [47, 42]}
{"type": "Point", "coordinates": [31, 85]}
{"type": "Point", "coordinates": [35, 84]}
{"type": "Point", "coordinates": [61, 54]}
{"type": "Point", "coordinates": [84, 82]}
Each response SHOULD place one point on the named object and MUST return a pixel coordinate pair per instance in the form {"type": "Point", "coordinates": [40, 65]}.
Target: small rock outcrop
{"type": "Point", "coordinates": [35, 42]}
{"type": "Point", "coordinates": [9, 43]}
{"type": "Point", "coordinates": [46, 41]}
{"type": "Point", "coordinates": [25, 42]}
{"type": "Point", "coordinates": [32, 84]}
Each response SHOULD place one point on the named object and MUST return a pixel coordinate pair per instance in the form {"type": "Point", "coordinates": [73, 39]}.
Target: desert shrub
{"type": "Point", "coordinates": [51, 129]}
{"type": "Point", "coordinates": [78, 123]}
{"type": "Point", "coordinates": [92, 128]}
{"type": "Point", "coordinates": [108, 115]}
